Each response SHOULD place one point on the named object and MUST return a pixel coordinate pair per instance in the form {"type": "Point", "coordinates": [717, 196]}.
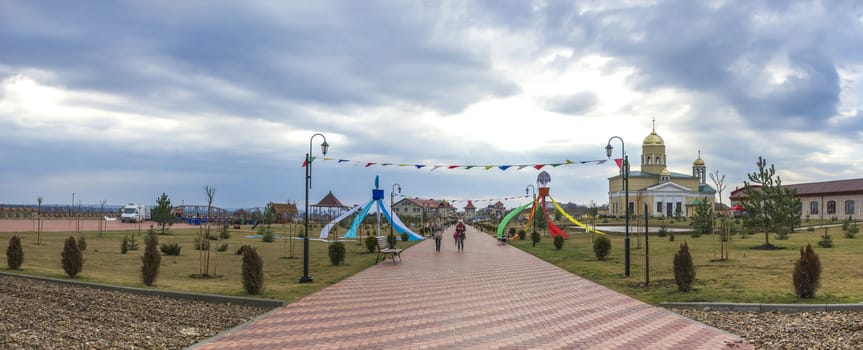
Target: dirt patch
{"type": "Point", "coordinates": [70, 225]}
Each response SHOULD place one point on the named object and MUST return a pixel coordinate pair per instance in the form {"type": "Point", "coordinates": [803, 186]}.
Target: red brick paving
{"type": "Point", "coordinates": [488, 297]}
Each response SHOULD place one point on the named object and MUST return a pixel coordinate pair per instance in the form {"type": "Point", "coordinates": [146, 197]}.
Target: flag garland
{"type": "Point", "coordinates": [495, 199]}
{"type": "Point", "coordinates": [433, 167]}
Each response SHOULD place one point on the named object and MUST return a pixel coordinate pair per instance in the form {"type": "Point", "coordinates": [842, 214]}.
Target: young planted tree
{"type": "Point", "coordinates": [702, 222]}
{"type": "Point", "coordinates": [151, 260]}
{"type": "Point", "coordinates": [204, 234]}
{"type": "Point", "coordinates": [724, 237]}
{"type": "Point", "coordinates": [73, 260]}
{"type": "Point", "coordinates": [39, 220]}
{"type": "Point", "coordinates": [14, 253]}
{"type": "Point", "coordinates": [684, 269]}
{"type": "Point", "coordinates": [807, 273]}
{"type": "Point", "coordinates": [601, 247]}
{"type": "Point", "coordinates": [162, 213]}
{"type": "Point", "coordinates": [768, 206]}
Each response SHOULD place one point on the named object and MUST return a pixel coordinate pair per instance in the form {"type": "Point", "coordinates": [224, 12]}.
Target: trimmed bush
{"type": "Point", "coordinates": [170, 249]}
{"type": "Point", "coordinates": [558, 242]}
{"type": "Point", "coordinates": [222, 248]}
{"type": "Point", "coordinates": [72, 259]}
{"type": "Point", "coordinates": [224, 233]}
{"type": "Point", "coordinates": [684, 269]}
{"type": "Point", "coordinates": [14, 253]}
{"type": "Point", "coordinates": [371, 243]}
{"type": "Point", "coordinates": [807, 273]}
{"type": "Point", "coordinates": [512, 231]}
{"type": "Point", "coordinates": [535, 237]}
{"type": "Point", "coordinates": [601, 247]}
{"type": "Point", "coordinates": [337, 253]}
{"type": "Point", "coordinates": [522, 235]}
{"type": "Point", "coordinates": [253, 270]}
{"type": "Point", "coordinates": [82, 243]}
{"type": "Point", "coordinates": [405, 236]}
{"type": "Point", "coordinates": [150, 261]}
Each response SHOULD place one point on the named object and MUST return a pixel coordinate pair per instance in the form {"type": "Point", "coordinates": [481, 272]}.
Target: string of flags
{"type": "Point", "coordinates": [433, 167]}
{"type": "Point", "coordinates": [468, 200]}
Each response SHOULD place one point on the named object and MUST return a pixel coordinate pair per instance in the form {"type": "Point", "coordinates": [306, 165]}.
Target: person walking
{"type": "Point", "coordinates": [437, 233]}
{"type": "Point", "coordinates": [459, 235]}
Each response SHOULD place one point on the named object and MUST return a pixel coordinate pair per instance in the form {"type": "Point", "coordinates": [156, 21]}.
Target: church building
{"type": "Point", "coordinates": [667, 194]}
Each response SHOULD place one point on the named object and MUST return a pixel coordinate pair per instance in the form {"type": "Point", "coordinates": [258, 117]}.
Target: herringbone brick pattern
{"type": "Point", "coordinates": [488, 297]}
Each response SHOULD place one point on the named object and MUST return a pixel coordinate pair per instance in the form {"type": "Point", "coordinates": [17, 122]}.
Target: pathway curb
{"type": "Point", "coordinates": [752, 307]}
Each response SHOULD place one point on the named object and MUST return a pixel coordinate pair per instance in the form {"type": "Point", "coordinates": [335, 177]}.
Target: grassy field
{"type": "Point", "coordinates": [754, 276]}
{"type": "Point", "coordinates": [751, 276]}
{"type": "Point", "coordinates": [103, 262]}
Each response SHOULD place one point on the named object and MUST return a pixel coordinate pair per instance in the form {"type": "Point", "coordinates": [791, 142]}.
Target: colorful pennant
{"type": "Point", "coordinates": [433, 167]}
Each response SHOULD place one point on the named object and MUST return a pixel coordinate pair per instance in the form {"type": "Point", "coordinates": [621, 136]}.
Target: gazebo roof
{"type": "Point", "coordinates": [330, 201]}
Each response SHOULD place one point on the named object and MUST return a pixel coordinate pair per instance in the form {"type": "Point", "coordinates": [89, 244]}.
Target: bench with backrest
{"type": "Point", "coordinates": [384, 250]}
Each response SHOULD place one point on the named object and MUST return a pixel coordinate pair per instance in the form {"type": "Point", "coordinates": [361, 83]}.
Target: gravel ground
{"type": "Point", "coordinates": [771, 330]}
{"type": "Point", "coordinates": [48, 315]}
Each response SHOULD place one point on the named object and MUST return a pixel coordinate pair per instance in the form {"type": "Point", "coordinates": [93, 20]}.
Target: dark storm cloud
{"type": "Point", "coordinates": [339, 54]}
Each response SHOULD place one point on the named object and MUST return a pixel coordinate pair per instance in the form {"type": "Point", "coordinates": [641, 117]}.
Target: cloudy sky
{"type": "Point", "coordinates": [124, 100]}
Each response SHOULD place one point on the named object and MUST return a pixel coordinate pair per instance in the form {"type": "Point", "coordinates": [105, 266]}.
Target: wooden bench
{"type": "Point", "coordinates": [384, 250]}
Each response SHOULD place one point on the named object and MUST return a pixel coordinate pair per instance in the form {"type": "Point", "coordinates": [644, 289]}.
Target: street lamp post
{"type": "Point", "coordinates": [324, 147]}
{"type": "Point", "coordinates": [392, 198]}
{"type": "Point", "coordinates": [608, 149]}
{"type": "Point", "coordinates": [533, 191]}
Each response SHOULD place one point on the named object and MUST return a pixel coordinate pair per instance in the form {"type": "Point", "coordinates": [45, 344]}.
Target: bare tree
{"type": "Point", "coordinates": [204, 235]}
{"type": "Point", "coordinates": [724, 238]}
{"type": "Point", "coordinates": [39, 220]}
{"type": "Point", "coordinates": [102, 212]}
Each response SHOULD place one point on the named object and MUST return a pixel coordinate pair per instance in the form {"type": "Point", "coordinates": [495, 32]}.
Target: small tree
{"type": "Point", "coordinates": [253, 270]}
{"type": "Point", "coordinates": [601, 247]}
{"type": "Point", "coordinates": [14, 253]}
{"type": "Point", "coordinates": [535, 237]}
{"type": "Point", "coordinates": [807, 273]}
{"type": "Point", "coordinates": [162, 213]}
{"type": "Point", "coordinates": [73, 260]}
{"type": "Point", "coordinates": [684, 269]}
{"type": "Point", "coordinates": [768, 205]}
{"type": "Point", "coordinates": [150, 260]}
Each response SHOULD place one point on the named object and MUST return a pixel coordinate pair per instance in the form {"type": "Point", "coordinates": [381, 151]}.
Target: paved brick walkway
{"type": "Point", "coordinates": [488, 297]}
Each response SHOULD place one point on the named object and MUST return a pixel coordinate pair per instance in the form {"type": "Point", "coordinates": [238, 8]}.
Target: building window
{"type": "Point", "coordinates": [813, 207]}
{"type": "Point", "coordinates": [649, 160]}
{"type": "Point", "coordinates": [678, 208]}
{"type": "Point", "coordinates": [849, 207]}
{"type": "Point", "coordinates": [658, 162]}
{"type": "Point", "coordinates": [659, 207]}
{"type": "Point", "coordinates": [831, 207]}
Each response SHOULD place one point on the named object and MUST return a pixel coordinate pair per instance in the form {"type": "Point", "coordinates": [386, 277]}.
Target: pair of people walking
{"type": "Point", "coordinates": [459, 234]}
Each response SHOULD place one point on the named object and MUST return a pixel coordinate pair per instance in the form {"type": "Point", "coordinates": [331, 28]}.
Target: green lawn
{"type": "Point", "coordinates": [750, 276]}
{"type": "Point", "coordinates": [103, 262]}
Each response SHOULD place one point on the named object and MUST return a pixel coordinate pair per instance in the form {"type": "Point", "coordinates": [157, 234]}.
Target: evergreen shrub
{"type": "Point", "coordinates": [14, 253]}
{"type": "Point", "coordinates": [150, 260]}
{"type": "Point", "coordinates": [337, 253]}
{"type": "Point", "coordinates": [807, 273]}
{"type": "Point", "coordinates": [601, 247]}
{"type": "Point", "coordinates": [253, 270]}
{"type": "Point", "coordinates": [371, 243]}
{"type": "Point", "coordinates": [684, 269]}
{"type": "Point", "coordinates": [72, 259]}
{"type": "Point", "coordinates": [558, 242]}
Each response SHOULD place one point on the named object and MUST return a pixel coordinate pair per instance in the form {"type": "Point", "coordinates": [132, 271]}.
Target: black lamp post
{"type": "Point", "coordinates": [608, 150]}
{"type": "Point", "coordinates": [392, 199]}
{"type": "Point", "coordinates": [324, 147]}
{"type": "Point", "coordinates": [533, 189]}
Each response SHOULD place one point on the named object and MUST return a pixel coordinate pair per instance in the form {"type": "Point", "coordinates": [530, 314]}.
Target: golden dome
{"type": "Point", "coordinates": [665, 172]}
{"type": "Point", "coordinates": [653, 139]}
{"type": "Point", "coordinates": [698, 161]}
